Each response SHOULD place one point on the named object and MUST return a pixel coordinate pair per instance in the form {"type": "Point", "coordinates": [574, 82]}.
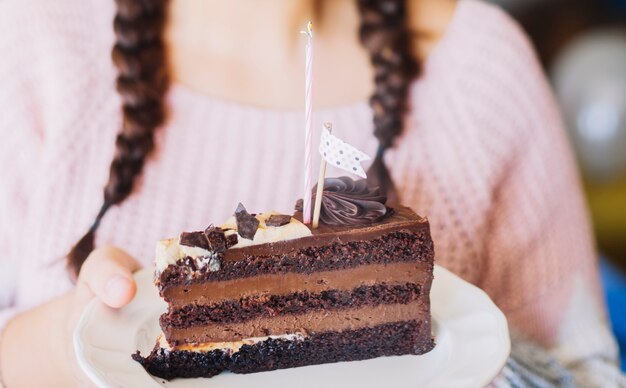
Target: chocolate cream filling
{"type": "Point", "coordinates": [314, 322]}
{"type": "Point", "coordinates": [283, 284]}
{"type": "Point", "coordinates": [299, 302]}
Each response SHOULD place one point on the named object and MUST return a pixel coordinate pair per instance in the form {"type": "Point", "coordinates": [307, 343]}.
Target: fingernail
{"type": "Point", "coordinates": [117, 288]}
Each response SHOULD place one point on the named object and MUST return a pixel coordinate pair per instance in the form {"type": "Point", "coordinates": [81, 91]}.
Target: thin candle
{"type": "Point", "coordinates": [308, 113]}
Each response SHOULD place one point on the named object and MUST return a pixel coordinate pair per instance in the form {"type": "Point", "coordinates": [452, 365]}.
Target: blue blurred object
{"type": "Point", "coordinates": [614, 283]}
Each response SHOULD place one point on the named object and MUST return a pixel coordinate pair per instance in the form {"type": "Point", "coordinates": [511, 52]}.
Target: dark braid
{"type": "Point", "coordinates": [385, 35]}
{"type": "Point", "coordinates": [139, 55]}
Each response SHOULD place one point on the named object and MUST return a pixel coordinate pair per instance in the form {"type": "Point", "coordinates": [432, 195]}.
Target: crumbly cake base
{"type": "Point", "coordinates": [391, 339]}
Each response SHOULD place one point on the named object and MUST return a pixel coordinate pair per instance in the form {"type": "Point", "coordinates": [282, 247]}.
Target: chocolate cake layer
{"type": "Point", "coordinates": [401, 245]}
{"type": "Point", "coordinates": [299, 302]}
{"type": "Point", "coordinates": [397, 338]}
{"type": "Point", "coordinates": [310, 322]}
{"type": "Point", "coordinates": [365, 275]}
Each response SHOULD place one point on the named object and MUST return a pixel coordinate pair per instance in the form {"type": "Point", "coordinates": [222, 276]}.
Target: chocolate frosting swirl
{"type": "Point", "coordinates": [349, 202]}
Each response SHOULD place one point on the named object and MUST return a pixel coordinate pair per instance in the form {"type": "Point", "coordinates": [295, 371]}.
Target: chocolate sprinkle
{"type": "Point", "coordinates": [278, 220]}
{"type": "Point", "coordinates": [217, 240]}
{"type": "Point", "coordinates": [194, 239]}
{"type": "Point", "coordinates": [231, 240]}
{"type": "Point", "coordinates": [247, 224]}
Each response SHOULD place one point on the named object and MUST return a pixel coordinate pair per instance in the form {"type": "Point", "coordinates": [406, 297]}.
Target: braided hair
{"type": "Point", "coordinates": [385, 35]}
{"type": "Point", "coordinates": [139, 55]}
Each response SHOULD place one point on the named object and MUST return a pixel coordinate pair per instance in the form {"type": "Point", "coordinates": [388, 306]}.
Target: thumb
{"type": "Point", "coordinates": [107, 275]}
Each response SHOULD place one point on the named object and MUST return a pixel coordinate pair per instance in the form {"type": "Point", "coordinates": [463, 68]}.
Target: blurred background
{"type": "Point", "coordinates": [582, 45]}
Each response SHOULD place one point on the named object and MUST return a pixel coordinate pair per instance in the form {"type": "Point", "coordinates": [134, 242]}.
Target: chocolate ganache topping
{"type": "Point", "coordinates": [349, 202]}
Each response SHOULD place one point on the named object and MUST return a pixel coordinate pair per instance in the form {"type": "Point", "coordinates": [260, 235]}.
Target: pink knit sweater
{"type": "Point", "coordinates": [483, 155]}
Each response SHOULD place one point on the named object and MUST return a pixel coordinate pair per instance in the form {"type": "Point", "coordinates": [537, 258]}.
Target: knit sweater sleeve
{"type": "Point", "coordinates": [19, 151]}
{"type": "Point", "coordinates": [51, 74]}
{"type": "Point", "coordinates": [541, 262]}
{"type": "Point", "coordinates": [538, 239]}
{"type": "Point", "coordinates": [22, 142]}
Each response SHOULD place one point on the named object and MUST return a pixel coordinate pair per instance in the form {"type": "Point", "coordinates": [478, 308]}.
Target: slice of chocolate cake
{"type": "Point", "coordinates": [265, 292]}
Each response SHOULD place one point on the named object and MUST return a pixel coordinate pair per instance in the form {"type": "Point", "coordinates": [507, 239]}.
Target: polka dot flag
{"type": "Point", "coordinates": [341, 154]}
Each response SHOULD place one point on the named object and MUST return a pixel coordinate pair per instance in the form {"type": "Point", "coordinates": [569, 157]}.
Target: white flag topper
{"type": "Point", "coordinates": [341, 154]}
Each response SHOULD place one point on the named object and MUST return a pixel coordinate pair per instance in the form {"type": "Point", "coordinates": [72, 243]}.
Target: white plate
{"type": "Point", "coordinates": [471, 335]}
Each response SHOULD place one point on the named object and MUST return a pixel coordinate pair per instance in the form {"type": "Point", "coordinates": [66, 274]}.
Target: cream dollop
{"type": "Point", "coordinates": [169, 251]}
{"type": "Point", "coordinates": [267, 234]}
{"type": "Point", "coordinates": [229, 347]}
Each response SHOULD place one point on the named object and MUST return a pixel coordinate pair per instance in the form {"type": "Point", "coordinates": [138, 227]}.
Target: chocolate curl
{"type": "Point", "coordinates": [348, 202]}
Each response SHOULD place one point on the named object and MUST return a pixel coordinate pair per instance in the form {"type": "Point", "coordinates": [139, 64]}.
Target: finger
{"type": "Point", "coordinates": [107, 275]}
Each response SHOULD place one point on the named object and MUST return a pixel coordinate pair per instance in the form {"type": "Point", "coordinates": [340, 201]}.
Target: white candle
{"type": "Point", "coordinates": [308, 113]}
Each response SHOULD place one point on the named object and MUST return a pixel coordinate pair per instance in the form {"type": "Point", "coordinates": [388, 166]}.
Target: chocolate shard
{"type": "Point", "coordinates": [241, 209]}
{"type": "Point", "coordinates": [194, 239]}
{"type": "Point", "coordinates": [216, 238]}
{"type": "Point", "coordinates": [231, 240]}
{"type": "Point", "coordinates": [247, 224]}
{"type": "Point", "coordinates": [278, 220]}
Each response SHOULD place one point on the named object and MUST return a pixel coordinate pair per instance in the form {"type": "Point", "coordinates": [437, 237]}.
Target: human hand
{"type": "Point", "coordinates": [37, 346]}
